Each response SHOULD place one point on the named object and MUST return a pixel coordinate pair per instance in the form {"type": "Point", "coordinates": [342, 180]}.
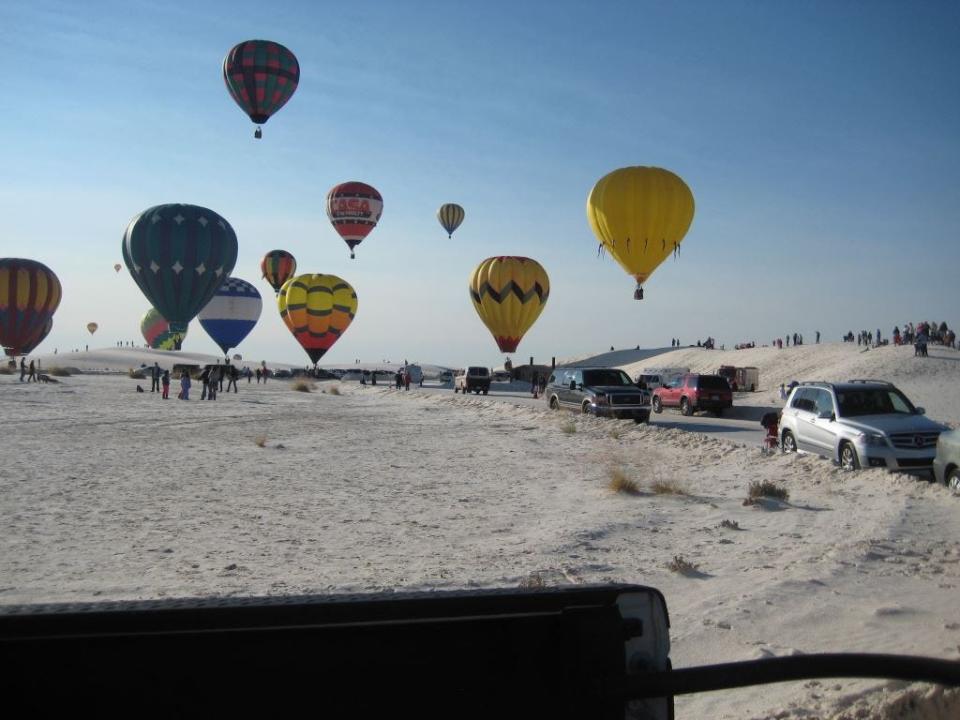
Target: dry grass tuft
{"type": "Point", "coordinates": [682, 566]}
{"type": "Point", "coordinates": [260, 440]}
{"type": "Point", "coordinates": [766, 489]}
{"type": "Point", "coordinates": [616, 432]}
{"type": "Point", "coordinates": [569, 427]}
{"type": "Point", "coordinates": [620, 482]}
{"type": "Point", "coordinates": [7, 370]}
{"type": "Point", "coordinates": [533, 581]}
{"type": "Point", "coordinates": [729, 525]}
{"type": "Point", "coordinates": [59, 372]}
{"type": "Point", "coordinates": [135, 374]}
{"type": "Point", "coordinates": [332, 390]}
{"type": "Point", "coordinates": [667, 487]}
{"type": "Point", "coordinates": [302, 386]}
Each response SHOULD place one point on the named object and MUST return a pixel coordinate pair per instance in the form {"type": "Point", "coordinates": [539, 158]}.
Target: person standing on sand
{"type": "Point", "coordinates": [818, 337]}
{"type": "Point", "coordinates": [205, 379]}
{"type": "Point", "coordinates": [165, 381]}
{"type": "Point", "coordinates": [33, 373]}
{"type": "Point", "coordinates": [155, 378]}
{"type": "Point", "coordinates": [23, 368]}
{"type": "Point", "coordinates": [184, 385]}
{"type": "Point", "coordinates": [406, 380]}
{"type": "Point", "coordinates": [258, 376]}
{"type": "Point", "coordinates": [213, 382]}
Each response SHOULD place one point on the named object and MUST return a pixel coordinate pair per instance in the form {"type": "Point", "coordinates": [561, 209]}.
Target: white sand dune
{"type": "Point", "coordinates": [112, 494]}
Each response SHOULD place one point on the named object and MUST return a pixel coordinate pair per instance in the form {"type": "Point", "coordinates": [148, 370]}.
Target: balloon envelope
{"type": "Point", "coordinates": [156, 331]}
{"type": "Point", "coordinates": [179, 255]}
{"type": "Point", "coordinates": [92, 328]}
{"type": "Point", "coordinates": [354, 209]}
{"type": "Point", "coordinates": [232, 312]}
{"type": "Point", "coordinates": [29, 296]}
{"type": "Point", "coordinates": [261, 76]}
{"type": "Point", "coordinates": [509, 294]}
{"type": "Point", "coordinates": [118, 267]}
{"type": "Point", "coordinates": [277, 267]}
{"type": "Point", "coordinates": [317, 309]}
{"type": "Point", "coordinates": [450, 217]}
{"type": "Point", "coordinates": [640, 215]}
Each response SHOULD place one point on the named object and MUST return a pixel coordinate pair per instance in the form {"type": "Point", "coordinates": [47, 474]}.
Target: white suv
{"type": "Point", "coordinates": [861, 423]}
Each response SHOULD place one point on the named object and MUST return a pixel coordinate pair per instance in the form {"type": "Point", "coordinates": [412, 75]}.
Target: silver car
{"type": "Point", "coordinates": [946, 465]}
{"type": "Point", "coordinates": [861, 423]}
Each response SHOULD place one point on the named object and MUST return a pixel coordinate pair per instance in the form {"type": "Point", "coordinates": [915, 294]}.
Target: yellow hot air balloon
{"type": "Point", "coordinates": [317, 309]}
{"type": "Point", "coordinates": [92, 328]}
{"type": "Point", "coordinates": [508, 294]}
{"type": "Point", "coordinates": [640, 215]}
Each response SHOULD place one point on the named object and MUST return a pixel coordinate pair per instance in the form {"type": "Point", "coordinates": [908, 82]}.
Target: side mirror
{"type": "Point", "coordinates": [573, 384]}
{"type": "Point", "coordinates": [921, 411]}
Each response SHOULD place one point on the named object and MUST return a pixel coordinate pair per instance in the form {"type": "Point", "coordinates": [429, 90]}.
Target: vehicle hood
{"type": "Point", "coordinates": [617, 389]}
{"type": "Point", "coordinates": [890, 424]}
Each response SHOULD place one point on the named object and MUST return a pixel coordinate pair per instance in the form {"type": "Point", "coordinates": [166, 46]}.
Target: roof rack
{"type": "Point", "coordinates": [871, 381]}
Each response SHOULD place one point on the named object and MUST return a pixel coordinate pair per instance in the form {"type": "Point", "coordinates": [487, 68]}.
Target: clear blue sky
{"type": "Point", "coordinates": [821, 141]}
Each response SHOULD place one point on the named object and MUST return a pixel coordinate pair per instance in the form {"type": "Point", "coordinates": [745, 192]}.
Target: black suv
{"type": "Point", "coordinates": [598, 390]}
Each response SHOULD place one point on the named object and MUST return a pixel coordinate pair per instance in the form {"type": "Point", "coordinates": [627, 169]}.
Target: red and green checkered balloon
{"type": "Point", "coordinates": [261, 76]}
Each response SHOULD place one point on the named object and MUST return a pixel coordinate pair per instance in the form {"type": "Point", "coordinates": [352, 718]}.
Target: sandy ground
{"type": "Point", "coordinates": [111, 494]}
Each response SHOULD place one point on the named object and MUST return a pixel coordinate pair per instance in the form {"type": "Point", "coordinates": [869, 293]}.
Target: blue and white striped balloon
{"type": "Point", "coordinates": [231, 313]}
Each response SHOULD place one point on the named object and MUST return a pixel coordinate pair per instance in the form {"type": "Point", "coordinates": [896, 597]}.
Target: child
{"type": "Point", "coordinates": [184, 386]}
{"type": "Point", "coordinates": [165, 381]}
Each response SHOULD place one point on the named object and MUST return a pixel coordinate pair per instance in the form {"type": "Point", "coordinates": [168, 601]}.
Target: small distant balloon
{"type": "Point", "coordinates": [354, 209]}
{"type": "Point", "coordinates": [118, 267]}
{"type": "Point", "coordinates": [92, 328]}
{"type": "Point", "coordinates": [238, 356]}
{"type": "Point", "coordinates": [450, 217]}
{"type": "Point", "coordinates": [261, 77]}
{"type": "Point", "coordinates": [277, 267]}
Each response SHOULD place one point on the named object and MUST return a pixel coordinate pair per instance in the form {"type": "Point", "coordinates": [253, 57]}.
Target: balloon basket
{"type": "Point", "coordinates": [638, 293]}
{"type": "Point", "coordinates": [258, 133]}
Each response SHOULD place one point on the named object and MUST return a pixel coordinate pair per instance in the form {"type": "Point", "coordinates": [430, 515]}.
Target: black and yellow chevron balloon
{"type": "Point", "coordinates": [450, 216]}
{"type": "Point", "coordinates": [508, 294]}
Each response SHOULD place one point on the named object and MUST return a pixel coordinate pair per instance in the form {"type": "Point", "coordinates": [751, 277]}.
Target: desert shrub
{"type": "Point", "coordinates": [682, 566]}
{"type": "Point", "coordinates": [7, 370]}
{"type": "Point", "coordinates": [766, 489]}
{"type": "Point", "coordinates": [667, 487]}
{"type": "Point", "coordinates": [729, 525]}
{"type": "Point", "coordinates": [569, 427]}
{"type": "Point", "coordinates": [533, 581]}
{"type": "Point", "coordinates": [620, 482]}
{"type": "Point", "coordinates": [332, 390]}
{"type": "Point", "coordinates": [616, 432]}
{"type": "Point", "coordinates": [260, 440]}
{"type": "Point", "coordinates": [136, 374]}
{"type": "Point", "coordinates": [302, 386]}
{"type": "Point", "coordinates": [59, 372]}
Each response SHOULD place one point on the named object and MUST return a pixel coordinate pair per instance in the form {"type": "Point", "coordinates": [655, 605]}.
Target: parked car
{"type": "Point", "coordinates": [692, 392]}
{"type": "Point", "coordinates": [741, 378]}
{"type": "Point", "coordinates": [652, 378]}
{"type": "Point", "coordinates": [472, 379]}
{"type": "Point", "coordinates": [860, 423]}
{"type": "Point", "coordinates": [599, 391]}
{"type": "Point", "coordinates": [946, 463]}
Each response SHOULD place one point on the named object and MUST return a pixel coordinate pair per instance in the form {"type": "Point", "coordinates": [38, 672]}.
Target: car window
{"type": "Point", "coordinates": [873, 401]}
{"type": "Point", "coordinates": [712, 382]}
{"type": "Point", "coordinates": [606, 377]}
{"type": "Point", "coordinates": [577, 377]}
{"type": "Point", "coordinates": [823, 402]}
{"type": "Point", "coordinates": [803, 400]}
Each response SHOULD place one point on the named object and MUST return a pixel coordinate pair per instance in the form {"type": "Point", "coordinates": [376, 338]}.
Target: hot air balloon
{"type": "Point", "coordinates": [232, 312]}
{"type": "Point", "coordinates": [92, 328]}
{"type": "Point", "coordinates": [156, 331]}
{"type": "Point", "coordinates": [450, 217]}
{"type": "Point", "coordinates": [508, 294]}
{"type": "Point", "coordinates": [277, 267]}
{"type": "Point", "coordinates": [640, 215]}
{"type": "Point", "coordinates": [117, 267]}
{"type": "Point", "coordinates": [317, 309]}
{"type": "Point", "coordinates": [29, 296]}
{"type": "Point", "coordinates": [178, 255]}
{"type": "Point", "coordinates": [354, 208]}
{"type": "Point", "coordinates": [261, 76]}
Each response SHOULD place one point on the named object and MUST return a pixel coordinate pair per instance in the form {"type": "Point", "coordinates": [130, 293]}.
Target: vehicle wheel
{"type": "Point", "coordinates": [953, 480]}
{"type": "Point", "coordinates": [641, 419]}
{"type": "Point", "coordinates": [554, 403]}
{"type": "Point", "coordinates": [585, 408]}
{"type": "Point", "coordinates": [753, 388]}
{"type": "Point", "coordinates": [685, 408]}
{"type": "Point", "coordinates": [848, 457]}
{"type": "Point", "coordinates": [787, 443]}
{"type": "Point", "coordinates": [657, 405]}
